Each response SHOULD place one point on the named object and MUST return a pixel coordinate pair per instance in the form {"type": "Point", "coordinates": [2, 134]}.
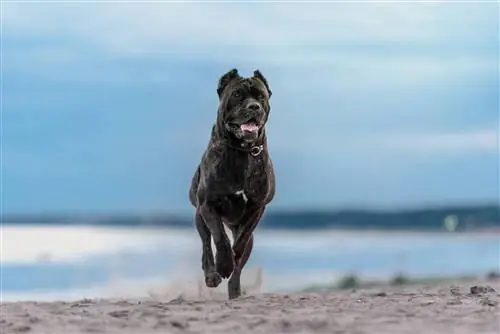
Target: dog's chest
{"type": "Point", "coordinates": [241, 181]}
{"type": "Point", "coordinates": [241, 193]}
{"type": "Point", "coordinates": [247, 179]}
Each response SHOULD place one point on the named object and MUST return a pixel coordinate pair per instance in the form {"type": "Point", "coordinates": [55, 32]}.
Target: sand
{"type": "Point", "coordinates": [445, 308]}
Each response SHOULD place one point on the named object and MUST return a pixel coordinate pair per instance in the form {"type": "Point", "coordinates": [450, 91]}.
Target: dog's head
{"type": "Point", "coordinates": [243, 105]}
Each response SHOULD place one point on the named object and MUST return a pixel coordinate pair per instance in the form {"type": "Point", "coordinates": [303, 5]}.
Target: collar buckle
{"type": "Point", "coordinates": [256, 150]}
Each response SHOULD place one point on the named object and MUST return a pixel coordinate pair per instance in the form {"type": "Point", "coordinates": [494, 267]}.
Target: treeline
{"type": "Point", "coordinates": [457, 218]}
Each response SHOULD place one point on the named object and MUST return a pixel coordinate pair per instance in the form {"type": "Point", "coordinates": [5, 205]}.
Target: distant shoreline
{"type": "Point", "coordinates": [477, 219]}
{"type": "Point", "coordinates": [282, 230]}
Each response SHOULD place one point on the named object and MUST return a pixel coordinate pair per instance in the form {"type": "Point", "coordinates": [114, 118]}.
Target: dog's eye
{"type": "Point", "coordinates": [236, 94]}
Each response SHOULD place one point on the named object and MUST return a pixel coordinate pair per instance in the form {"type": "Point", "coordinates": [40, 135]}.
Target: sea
{"type": "Point", "coordinates": [57, 263]}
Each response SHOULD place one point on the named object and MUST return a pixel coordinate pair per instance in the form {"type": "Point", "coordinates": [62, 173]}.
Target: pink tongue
{"type": "Point", "coordinates": [250, 127]}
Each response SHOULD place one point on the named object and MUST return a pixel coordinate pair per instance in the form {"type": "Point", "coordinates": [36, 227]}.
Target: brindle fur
{"type": "Point", "coordinates": [227, 169]}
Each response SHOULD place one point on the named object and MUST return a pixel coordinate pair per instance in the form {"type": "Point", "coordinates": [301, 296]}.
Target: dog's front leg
{"type": "Point", "coordinates": [242, 248]}
{"type": "Point", "coordinates": [212, 278]}
{"type": "Point", "coordinates": [224, 259]}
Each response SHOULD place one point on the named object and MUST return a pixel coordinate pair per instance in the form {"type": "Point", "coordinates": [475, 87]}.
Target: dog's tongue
{"type": "Point", "coordinates": [250, 127]}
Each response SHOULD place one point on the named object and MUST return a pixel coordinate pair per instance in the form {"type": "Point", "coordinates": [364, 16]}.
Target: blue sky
{"type": "Point", "coordinates": [107, 107]}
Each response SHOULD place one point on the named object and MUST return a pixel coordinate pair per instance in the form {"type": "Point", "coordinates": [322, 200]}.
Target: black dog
{"type": "Point", "coordinates": [235, 179]}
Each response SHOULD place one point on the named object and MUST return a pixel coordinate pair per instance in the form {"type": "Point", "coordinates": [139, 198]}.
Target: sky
{"type": "Point", "coordinates": [107, 107]}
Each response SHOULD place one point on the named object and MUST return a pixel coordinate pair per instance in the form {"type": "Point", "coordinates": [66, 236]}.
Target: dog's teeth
{"type": "Point", "coordinates": [249, 127]}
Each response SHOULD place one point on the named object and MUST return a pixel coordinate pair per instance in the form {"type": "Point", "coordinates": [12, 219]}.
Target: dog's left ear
{"type": "Point", "coordinates": [259, 76]}
{"type": "Point", "coordinates": [226, 79]}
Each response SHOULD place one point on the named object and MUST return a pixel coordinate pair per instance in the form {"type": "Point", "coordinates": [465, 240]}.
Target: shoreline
{"type": "Point", "coordinates": [253, 282]}
{"type": "Point", "coordinates": [285, 230]}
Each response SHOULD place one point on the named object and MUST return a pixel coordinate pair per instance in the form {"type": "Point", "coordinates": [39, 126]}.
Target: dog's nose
{"type": "Point", "coordinates": [254, 106]}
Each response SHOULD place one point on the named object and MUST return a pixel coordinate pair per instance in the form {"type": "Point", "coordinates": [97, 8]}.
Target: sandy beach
{"type": "Point", "coordinates": [462, 308]}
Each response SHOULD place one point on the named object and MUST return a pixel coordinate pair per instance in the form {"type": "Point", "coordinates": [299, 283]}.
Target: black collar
{"type": "Point", "coordinates": [254, 150]}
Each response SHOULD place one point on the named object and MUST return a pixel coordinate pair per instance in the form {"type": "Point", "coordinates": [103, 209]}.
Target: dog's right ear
{"type": "Point", "coordinates": [226, 79]}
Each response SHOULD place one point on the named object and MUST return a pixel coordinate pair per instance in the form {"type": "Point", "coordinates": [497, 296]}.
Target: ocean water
{"type": "Point", "coordinates": [73, 262]}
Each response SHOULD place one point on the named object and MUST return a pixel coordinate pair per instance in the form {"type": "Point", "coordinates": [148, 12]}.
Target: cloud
{"type": "Point", "coordinates": [253, 29]}
{"type": "Point", "coordinates": [393, 144]}
{"type": "Point", "coordinates": [440, 143]}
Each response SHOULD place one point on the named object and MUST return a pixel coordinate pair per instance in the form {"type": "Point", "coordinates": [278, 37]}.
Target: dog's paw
{"type": "Point", "coordinates": [234, 288]}
{"type": "Point", "coordinates": [224, 262]}
{"type": "Point", "coordinates": [213, 279]}
{"type": "Point", "coordinates": [234, 294]}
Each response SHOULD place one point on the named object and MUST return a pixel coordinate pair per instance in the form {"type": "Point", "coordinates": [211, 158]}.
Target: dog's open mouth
{"type": "Point", "coordinates": [249, 127]}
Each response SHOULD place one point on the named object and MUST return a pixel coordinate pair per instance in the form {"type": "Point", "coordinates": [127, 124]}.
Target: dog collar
{"type": "Point", "coordinates": [254, 150]}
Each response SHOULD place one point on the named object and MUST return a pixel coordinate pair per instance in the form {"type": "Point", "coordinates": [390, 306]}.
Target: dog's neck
{"type": "Point", "coordinates": [254, 148]}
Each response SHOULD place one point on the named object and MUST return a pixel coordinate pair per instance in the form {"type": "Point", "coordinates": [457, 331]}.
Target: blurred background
{"type": "Point", "coordinates": [383, 132]}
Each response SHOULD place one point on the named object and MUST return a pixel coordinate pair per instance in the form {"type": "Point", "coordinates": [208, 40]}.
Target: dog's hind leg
{"type": "Point", "coordinates": [248, 225]}
{"type": "Point", "coordinates": [242, 247]}
{"type": "Point", "coordinates": [212, 278]}
{"type": "Point", "coordinates": [234, 283]}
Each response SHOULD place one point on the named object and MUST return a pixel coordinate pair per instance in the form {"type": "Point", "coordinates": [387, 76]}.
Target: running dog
{"type": "Point", "coordinates": [234, 181]}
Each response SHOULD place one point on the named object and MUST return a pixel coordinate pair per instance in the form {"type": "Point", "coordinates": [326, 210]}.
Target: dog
{"type": "Point", "coordinates": [234, 182]}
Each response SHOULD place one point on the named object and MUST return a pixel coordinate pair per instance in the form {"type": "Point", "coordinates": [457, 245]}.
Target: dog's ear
{"type": "Point", "coordinates": [259, 76]}
{"type": "Point", "coordinates": [226, 79]}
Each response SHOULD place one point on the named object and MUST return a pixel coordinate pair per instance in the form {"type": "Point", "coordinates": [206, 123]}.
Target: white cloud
{"type": "Point", "coordinates": [392, 143]}
{"type": "Point", "coordinates": [331, 44]}
{"type": "Point", "coordinates": [251, 28]}
{"type": "Point", "coordinates": [444, 142]}
{"type": "Point", "coordinates": [334, 38]}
